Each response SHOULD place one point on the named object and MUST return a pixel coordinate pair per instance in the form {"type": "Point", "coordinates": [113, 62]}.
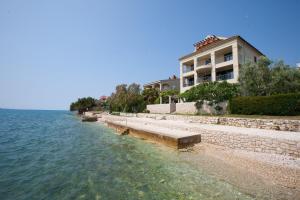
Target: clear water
{"type": "Point", "coordinates": [52, 155]}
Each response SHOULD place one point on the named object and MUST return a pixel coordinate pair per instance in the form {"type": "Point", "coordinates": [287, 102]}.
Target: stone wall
{"type": "Point", "coordinates": [265, 141]}
{"type": "Point", "coordinates": [190, 108]}
{"type": "Point", "coordinates": [272, 124]}
{"type": "Point", "coordinates": [186, 108]}
{"type": "Point", "coordinates": [161, 108]}
{"type": "Point", "coordinates": [252, 143]}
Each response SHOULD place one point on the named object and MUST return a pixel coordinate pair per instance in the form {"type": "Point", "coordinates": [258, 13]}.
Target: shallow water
{"type": "Point", "coordinates": [52, 155]}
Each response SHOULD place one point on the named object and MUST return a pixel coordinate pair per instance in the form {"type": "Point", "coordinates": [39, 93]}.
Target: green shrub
{"type": "Point", "coordinates": [115, 113]}
{"type": "Point", "coordinates": [214, 92]}
{"type": "Point", "coordinates": [83, 104]}
{"type": "Point", "coordinates": [157, 101]}
{"type": "Point", "coordinates": [150, 95]}
{"type": "Point", "coordinates": [281, 104]}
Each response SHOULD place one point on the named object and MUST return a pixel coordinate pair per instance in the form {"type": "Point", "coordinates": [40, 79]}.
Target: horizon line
{"type": "Point", "coordinates": [33, 109]}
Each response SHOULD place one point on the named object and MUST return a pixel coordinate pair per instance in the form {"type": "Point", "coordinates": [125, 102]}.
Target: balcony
{"type": "Point", "coordinates": [203, 79]}
{"type": "Point", "coordinates": [225, 76]}
{"type": "Point", "coordinates": [188, 84]}
{"type": "Point", "coordinates": [187, 69]}
{"type": "Point", "coordinates": [204, 61]}
{"type": "Point", "coordinates": [188, 81]}
{"type": "Point", "coordinates": [224, 64]}
{"type": "Point", "coordinates": [228, 57]}
{"type": "Point", "coordinates": [188, 66]}
{"type": "Point", "coordinates": [224, 57]}
{"type": "Point", "coordinates": [204, 66]}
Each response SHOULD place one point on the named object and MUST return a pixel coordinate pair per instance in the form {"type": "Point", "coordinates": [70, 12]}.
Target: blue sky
{"type": "Point", "coordinates": [52, 52]}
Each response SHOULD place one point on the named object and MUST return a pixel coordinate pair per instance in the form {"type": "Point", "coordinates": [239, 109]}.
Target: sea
{"type": "Point", "coordinates": [53, 155]}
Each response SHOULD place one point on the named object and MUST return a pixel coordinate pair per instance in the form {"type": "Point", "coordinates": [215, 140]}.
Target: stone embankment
{"type": "Point", "coordinates": [271, 124]}
{"type": "Point", "coordinates": [235, 137]}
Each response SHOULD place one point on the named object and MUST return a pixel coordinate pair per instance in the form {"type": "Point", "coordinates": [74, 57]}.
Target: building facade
{"type": "Point", "coordinates": [173, 83]}
{"type": "Point", "coordinates": [216, 59]}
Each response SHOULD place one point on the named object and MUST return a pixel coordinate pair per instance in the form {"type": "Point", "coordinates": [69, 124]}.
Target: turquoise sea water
{"type": "Point", "coordinates": [52, 155]}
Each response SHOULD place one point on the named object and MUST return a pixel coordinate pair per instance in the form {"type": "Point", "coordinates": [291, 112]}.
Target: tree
{"type": "Point", "coordinates": [165, 95]}
{"type": "Point", "coordinates": [284, 79]}
{"type": "Point", "coordinates": [83, 104]}
{"type": "Point", "coordinates": [255, 78]}
{"type": "Point", "coordinates": [214, 92]}
{"type": "Point", "coordinates": [211, 92]}
{"type": "Point", "coordinates": [135, 101]}
{"type": "Point", "coordinates": [263, 79]}
{"type": "Point", "coordinates": [150, 95]}
{"type": "Point", "coordinates": [126, 99]}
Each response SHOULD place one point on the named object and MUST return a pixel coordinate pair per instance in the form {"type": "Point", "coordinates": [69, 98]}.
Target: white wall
{"type": "Point", "coordinates": [186, 108]}
{"type": "Point", "coordinates": [161, 108]}
{"type": "Point", "coordinates": [190, 108]}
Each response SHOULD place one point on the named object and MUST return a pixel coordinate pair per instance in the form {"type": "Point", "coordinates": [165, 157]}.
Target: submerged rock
{"type": "Point", "coordinates": [89, 118]}
{"type": "Point", "coordinates": [162, 181]}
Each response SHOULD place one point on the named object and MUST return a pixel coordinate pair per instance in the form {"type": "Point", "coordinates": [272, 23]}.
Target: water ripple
{"type": "Point", "coordinates": [52, 155]}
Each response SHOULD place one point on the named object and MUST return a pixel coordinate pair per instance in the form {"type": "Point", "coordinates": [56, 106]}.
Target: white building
{"type": "Point", "coordinates": [216, 59]}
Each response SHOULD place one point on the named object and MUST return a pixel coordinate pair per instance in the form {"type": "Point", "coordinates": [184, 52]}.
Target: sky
{"type": "Point", "coordinates": [53, 52]}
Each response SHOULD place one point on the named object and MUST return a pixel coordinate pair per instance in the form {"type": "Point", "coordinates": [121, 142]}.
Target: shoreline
{"type": "Point", "coordinates": [274, 170]}
{"type": "Point", "coordinates": [242, 138]}
{"type": "Point", "coordinates": [277, 175]}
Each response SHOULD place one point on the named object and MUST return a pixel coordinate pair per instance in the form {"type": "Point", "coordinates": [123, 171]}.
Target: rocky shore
{"type": "Point", "coordinates": [272, 155]}
{"type": "Point", "coordinates": [277, 175]}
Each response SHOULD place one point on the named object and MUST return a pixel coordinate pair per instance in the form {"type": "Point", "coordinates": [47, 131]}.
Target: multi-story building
{"type": "Point", "coordinates": [216, 59]}
{"type": "Point", "coordinates": [173, 83]}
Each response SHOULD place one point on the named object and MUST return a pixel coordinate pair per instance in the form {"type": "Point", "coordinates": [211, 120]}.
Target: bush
{"type": "Point", "coordinates": [214, 92]}
{"type": "Point", "coordinates": [150, 95]}
{"type": "Point", "coordinates": [126, 99]}
{"type": "Point", "coordinates": [83, 104]}
{"type": "Point", "coordinates": [282, 104]}
{"type": "Point", "coordinates": [266, 78]}
{"type": "Point", "coordinates": [115, 113]}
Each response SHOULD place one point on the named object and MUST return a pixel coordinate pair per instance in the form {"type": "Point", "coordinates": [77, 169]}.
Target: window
{"type": "Point", "coordinates": [187, 68]}
{"type": "Point", "coordinates": [227, 56]}
{"type": "Point", "coordinates": [188, 81]}
{"type": "Point", "coordinates": [207, 61]}
{"type": "Point", "coordinates": [225, 75]}
{"type": "Point", "coordinates": [255, 59]}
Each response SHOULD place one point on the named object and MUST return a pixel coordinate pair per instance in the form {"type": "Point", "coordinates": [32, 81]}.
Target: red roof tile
{"type": "Point", "coordinates": [208, 40]}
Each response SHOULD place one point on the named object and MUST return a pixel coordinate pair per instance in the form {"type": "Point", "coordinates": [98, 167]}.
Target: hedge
{"type": "Point", "coordinates": [281, 104]}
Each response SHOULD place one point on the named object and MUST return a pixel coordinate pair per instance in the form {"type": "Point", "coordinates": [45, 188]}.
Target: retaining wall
{"type": "Point", "coordinates": [266, 141]}
{"type": "Point", "coordinates": [190, 108]}
{"type": "Point", "coordinates": [252, 143]}
{"type": "Point", "coordinates": [272, 124]}
{"type": "Point", "coordinates": [161, 108]}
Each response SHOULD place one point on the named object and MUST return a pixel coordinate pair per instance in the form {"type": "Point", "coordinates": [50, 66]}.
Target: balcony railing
{"type": "Point", "coordinates": [165, 88]}
{"type": "Point", "coordinates": [224, 77]}
{"type": "Point", "coordinates": [204, 65]}
{"type": "Point", "coordinates": [227, 57]}
{"type": "Point", "coordinates": [203, 79]}
{"type": "Point", "coordinates": [190, 83]}
{"type": "Point", "coordinates": [187, 69]}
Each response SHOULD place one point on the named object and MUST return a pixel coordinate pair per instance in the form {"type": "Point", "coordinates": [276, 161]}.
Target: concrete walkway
{"type": "Point", "coordinates": [251, 139]}
{"type": "Point", "coordinates": [173, 127]}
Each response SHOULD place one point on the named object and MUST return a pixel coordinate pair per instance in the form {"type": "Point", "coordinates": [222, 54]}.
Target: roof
{"type": "Point", "coordinates": [213, 41]}
{"type": "Point", "coordinates": [103, 97]}
{"type": "Point", "coordinates": [159, 81]}
{"type": "Point", "coordinates": [208, 40]}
